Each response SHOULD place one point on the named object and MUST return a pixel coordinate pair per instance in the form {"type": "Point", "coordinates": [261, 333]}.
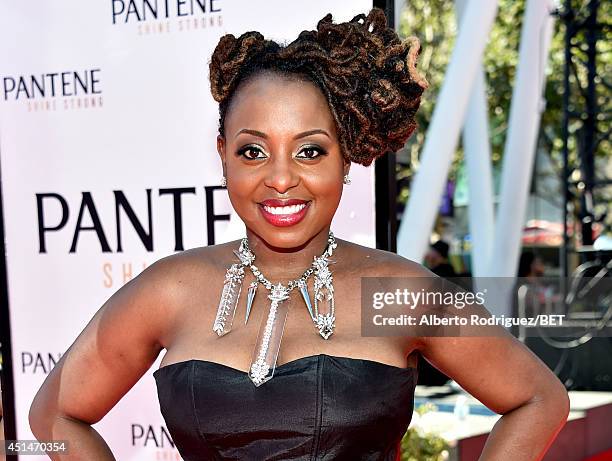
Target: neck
{"type": "Point", "coordinates": [284, 264]}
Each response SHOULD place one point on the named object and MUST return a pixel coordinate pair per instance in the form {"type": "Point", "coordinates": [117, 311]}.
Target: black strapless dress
{"type": "Point", "coordinates": [319, 407]}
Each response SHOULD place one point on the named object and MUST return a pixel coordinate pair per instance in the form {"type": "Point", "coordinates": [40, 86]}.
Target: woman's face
{"type": "Point", "coordinates": [282, 159]}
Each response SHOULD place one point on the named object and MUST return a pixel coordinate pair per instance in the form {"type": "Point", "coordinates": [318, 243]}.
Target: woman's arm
{"type": "Point", "coordinates": [509, 379]}
{"type": "Point", "coordinates": [505, 376]}
{"type": "Point", "coordinates": [110, 355]}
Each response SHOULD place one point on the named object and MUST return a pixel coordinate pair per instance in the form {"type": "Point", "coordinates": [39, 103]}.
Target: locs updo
{"type": "Point", "coordinates": [367, 74]}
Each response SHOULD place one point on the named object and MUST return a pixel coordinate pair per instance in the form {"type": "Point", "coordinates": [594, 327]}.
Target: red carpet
{"type": "Point", "coordinates": [605, 456]}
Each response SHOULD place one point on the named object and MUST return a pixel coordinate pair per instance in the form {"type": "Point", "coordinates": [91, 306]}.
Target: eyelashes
{"type": "Point", "coordinates": [251, 152]}
{"type": "Point", "coordinates": [318, 151]}
{"type": "Point", "coordinates": [254, 152]}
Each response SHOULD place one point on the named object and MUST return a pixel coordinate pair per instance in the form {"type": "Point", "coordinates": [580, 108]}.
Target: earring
{"type": "Point", "coordinates": [223, 182]}
{"type": "Point", "coordinates": [347, 179]}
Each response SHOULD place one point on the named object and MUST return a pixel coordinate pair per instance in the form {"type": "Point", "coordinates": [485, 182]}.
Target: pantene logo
{"type": "Point", "coordinates": [151, 436]}
{"type": "Point", "coordinates": [120, 225]}
{"type": "Point", "coordinates": [108, 226]}
{"type": "Point", "coordinates": [35, 362]}
{"type": "Point", "coordinates": [55, 90]}
{"type": "Point", "coordinates": [154, 442]}
{"type": "Point", "coordinates": [165, 16]}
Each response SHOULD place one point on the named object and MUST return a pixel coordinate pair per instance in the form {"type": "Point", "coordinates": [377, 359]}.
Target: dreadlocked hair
{"type": "Point", "coordinates": [365, 71]}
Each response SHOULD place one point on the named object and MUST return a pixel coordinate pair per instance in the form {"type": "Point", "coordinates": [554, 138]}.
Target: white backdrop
{"type": "Point", "coordinates": [104, 103]}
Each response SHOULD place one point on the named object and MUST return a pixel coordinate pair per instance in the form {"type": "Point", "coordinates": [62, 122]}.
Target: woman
{"type": "Point", "coordinates": [292, 119]}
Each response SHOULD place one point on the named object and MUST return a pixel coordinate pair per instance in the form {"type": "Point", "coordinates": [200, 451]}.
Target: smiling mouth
{"type": "Point", "coordinates": [284, 210]}
{"type": "Point", "coordinates": [284, 213]}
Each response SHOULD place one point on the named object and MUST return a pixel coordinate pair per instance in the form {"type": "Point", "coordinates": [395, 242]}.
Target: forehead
{"type": "Point", "coordinates": [274, 103]}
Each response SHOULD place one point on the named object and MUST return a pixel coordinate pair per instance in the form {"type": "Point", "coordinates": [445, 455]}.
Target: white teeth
{"type": "Point", "coordinates": [290, 209]}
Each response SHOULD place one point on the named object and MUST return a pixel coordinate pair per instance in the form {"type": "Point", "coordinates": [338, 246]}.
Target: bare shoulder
{"type": "Point", "coordinates": [191, 266]}
{"type": "Point", "coordinates": [372, 262]}
{"type": "Point", "coordinates": [169, 285]}
{"type": "Point", "coordinates": [123, 339]}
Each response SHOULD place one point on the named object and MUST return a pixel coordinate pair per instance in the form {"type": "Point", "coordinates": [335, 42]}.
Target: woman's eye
{"type": "Point", "coordinates": [251, 153]}
{"type": "Point", "coordinates": [311, 152]}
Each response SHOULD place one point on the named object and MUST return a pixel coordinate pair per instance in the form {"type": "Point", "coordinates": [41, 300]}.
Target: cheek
{"type": "Point", "coordinates": [241, 179]}
{"type": "Point", "coordinates": [325, 186]}
{"type": "Point", "coordinates": [241, 186]}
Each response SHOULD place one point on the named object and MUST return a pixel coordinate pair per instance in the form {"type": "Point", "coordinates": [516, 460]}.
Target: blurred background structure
{"type": "Point", "coordinates": [587, 185]}
{"type": "Point", "coordinates": [509, 176]}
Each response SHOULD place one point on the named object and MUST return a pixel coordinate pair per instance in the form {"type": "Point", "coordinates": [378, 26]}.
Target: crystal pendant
{"type": "Point", "coordinates": [232, 286]}
{"type": "Point", "coordinates": [306, 296]}
{"type": "Point", "coordinates": [325, 319]}
{"type": "Point", "coordinates": [324, 299]}
{"type": "Point", "coordinates": [250, 298]}
{"type": "Point", "coordinates": [264, 357]}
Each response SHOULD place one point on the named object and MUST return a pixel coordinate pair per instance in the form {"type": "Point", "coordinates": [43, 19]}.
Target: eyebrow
{"type": "Point", "coordinates": [298, 136]}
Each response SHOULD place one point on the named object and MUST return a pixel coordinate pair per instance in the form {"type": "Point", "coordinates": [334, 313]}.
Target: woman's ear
{"type": "Point", "coordinates": [221, 151]}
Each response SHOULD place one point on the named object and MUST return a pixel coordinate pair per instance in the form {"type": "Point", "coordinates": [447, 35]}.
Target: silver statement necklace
{"type": "Point", "coordinates": [266, 350]}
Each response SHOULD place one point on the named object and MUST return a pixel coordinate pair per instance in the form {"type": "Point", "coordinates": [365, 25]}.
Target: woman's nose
{"type": "Point", "coordinates": [281, 175]}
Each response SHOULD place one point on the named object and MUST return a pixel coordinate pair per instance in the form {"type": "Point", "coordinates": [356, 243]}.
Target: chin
{"type": "Point", "coordinates": [284, 237]}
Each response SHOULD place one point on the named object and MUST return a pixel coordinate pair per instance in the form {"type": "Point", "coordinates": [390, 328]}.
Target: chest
{"type": "Point", "coordinates": [193, 337]}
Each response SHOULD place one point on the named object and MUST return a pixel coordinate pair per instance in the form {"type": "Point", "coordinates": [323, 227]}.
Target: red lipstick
{"type": "Point", "coordinates": [284, 212]}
